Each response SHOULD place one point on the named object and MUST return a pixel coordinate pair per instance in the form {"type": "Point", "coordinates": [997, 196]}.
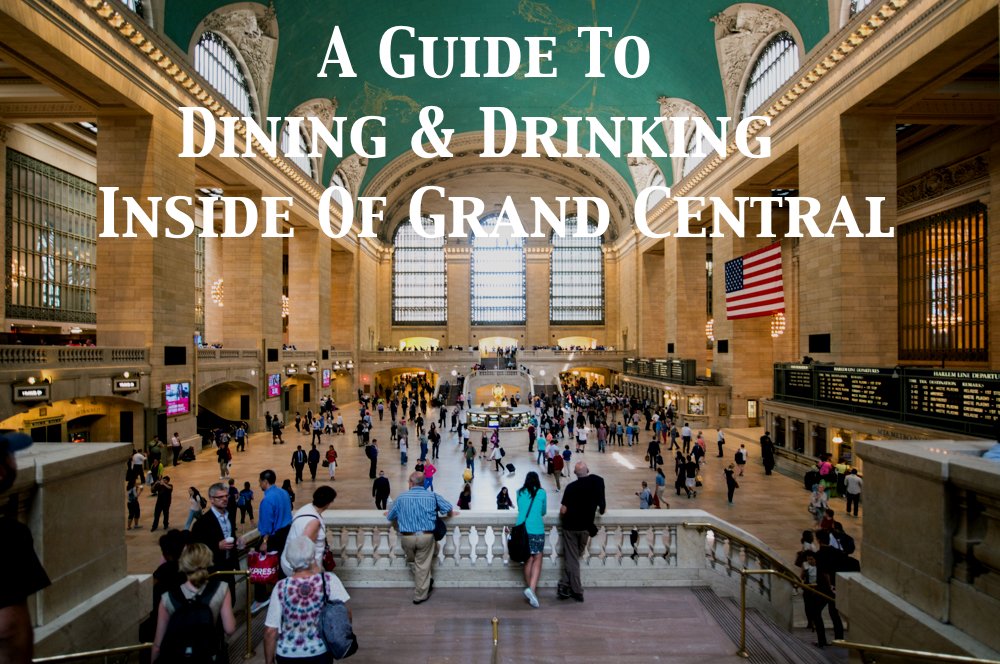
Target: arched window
{"type": "Point", "coordinates": [419, 280]}
{"type": "Point", "coordinates": [576, 292]}
{"type": "Point", "coordinates": [215, 60]}
{"type": "Point", "coordinates": [135, 6]}
{"type": "Point", "coordinates": [304, 162]}
{"type": "Point", "coordinates": [654, 198]}
{"type": "Point", "coordinates": [858, 5]}
{"type": "Point", "coordinates": [775, 65]}
{"type": "Point", "coordinates": [698, 148]}
{"type": "Point", "coordinates": [498, 280]}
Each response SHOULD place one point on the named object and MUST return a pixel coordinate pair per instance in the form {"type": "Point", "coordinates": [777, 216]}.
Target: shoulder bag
{"type": "Point", "coordinates": [517, 540]}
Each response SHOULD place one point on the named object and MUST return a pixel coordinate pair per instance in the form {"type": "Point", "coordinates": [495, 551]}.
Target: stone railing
{"type": "Point", "coordinates": [228, 354]}
{"type": "Point", "coordinates": [342, 354]}
{"type": "Point", "coordinates": [498, 373]}
{"type": "Point", "coordinates": [56, 357]}
{"type": "Point", "coordinates": [631, 548]}
{"type": "Point", "coordinates": [547, 353]}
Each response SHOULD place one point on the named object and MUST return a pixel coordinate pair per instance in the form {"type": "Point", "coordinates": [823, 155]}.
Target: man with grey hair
{"type": "Point", "coordinates": [415, 513]}
{"type": "Point", "coordinates": [582, 499]}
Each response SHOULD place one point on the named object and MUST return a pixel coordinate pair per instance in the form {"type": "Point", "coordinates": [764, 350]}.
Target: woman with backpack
{"type": "Point", "coordinates": [292, 626]}
{"type": "Point", "coordinates": [187, 625]}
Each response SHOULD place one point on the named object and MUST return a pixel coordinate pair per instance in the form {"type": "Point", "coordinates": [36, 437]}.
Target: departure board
{"type": "Point", "coordinates": [959, 401]}
{"type": "Point", "coordinates": [933, 395]}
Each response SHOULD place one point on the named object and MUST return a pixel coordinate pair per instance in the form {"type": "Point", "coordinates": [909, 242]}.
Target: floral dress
{"type": "Point", "coordinates": [294, 611]}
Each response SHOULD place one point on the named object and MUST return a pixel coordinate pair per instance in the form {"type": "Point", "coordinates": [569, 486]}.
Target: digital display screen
{"type": "Point", "coordinates": [273, 385]}
{"type": "Point", "coordinates": [326, 378]}
{"type": "Point", "coordinates": [177, 398]}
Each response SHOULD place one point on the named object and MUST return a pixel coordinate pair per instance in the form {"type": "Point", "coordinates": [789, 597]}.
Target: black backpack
{"type": "Point", "coordinates": [192, 633]}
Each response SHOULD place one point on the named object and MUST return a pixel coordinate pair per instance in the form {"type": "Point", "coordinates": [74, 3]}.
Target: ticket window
{"type": "Point", "coordinates": [779, 431]}
{"type": "Point", "coordinates": [819, 441]}
{"type": "Point", "coordinates": [798, 436]}
{"type": "Point", "coordinates": [753, 408]}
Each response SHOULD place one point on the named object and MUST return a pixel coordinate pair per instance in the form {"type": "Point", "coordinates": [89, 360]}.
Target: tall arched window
{"type": "Point", "coordinates": [498, 281]}
{"type": "Point", "coordinates": [289, 141]}
{"type": "Point", "coordinates": [577, 278]}
{"type": "Point", "coordinates": [775, 65]}
{"type": "Point", "coordinates": [858, 5]}
{"type": "Point", "coordinates": [136, 6]}
{"type": "Point", "coordinates": [215, 60]}
{"type": "Point", "coordinates": [419, 280]}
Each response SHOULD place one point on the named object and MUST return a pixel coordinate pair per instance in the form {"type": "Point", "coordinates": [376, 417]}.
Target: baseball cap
{"type": "Point", "coordinates": [14, 442]}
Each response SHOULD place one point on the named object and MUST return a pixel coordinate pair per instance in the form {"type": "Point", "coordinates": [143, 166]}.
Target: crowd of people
{"type": "Point", "coordinates": [561, 427]}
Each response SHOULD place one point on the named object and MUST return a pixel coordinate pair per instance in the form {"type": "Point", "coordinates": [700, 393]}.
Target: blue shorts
{"type": "Point", "coordinates": [536, 543]}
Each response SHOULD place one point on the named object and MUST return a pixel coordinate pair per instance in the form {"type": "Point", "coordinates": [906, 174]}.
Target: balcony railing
{"type": "Point", "coordinates": [57, 357]}
{"type": "Point", "coordinates": [228, 354]}
{"type": "Point", "coordinates": [631, 548]}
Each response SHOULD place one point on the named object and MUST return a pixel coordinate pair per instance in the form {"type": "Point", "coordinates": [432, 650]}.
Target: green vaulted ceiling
{"type": "Point", "coordinates": [683, 61]}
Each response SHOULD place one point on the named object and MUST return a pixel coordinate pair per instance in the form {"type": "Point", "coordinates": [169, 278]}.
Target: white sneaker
{"type": "Point", "coordinates": [257, 606]}
{"type": "Point", "coordinates": [532, 600]}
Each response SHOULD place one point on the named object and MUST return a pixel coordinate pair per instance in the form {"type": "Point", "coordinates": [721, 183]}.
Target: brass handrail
{"type": "Point", "coordinates": [104, 652]}
{"type": "Point", "coordinates": [744, 573]}
{"type": "Point", "coordinates": [924, 655]}
{"type": "Point", "coordinates": [700, 525]}
{"type": "Point", "coordinates": [249, 616]}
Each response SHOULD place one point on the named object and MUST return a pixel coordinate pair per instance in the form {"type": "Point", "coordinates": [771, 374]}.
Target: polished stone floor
{"type": "Point", "coordinates": [772, 508]}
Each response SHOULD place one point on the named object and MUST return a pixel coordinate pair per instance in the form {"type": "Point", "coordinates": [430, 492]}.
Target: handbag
{"type": "Point", "coordinates": [440, 529]}
{"type": "Point", "coordinates": [517, 541]}
{"type": "Point", "coordinates": [263, 567]}
{"type": "Point", "coordinates": [335, 626]}
{"type": "Point", "coordinates": [329, 562]}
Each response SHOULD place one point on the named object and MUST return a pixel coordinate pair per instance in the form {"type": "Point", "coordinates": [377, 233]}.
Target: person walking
{"type": "Point", "coordinates": [582, 499]}
{"type": "Point", "coordinates": [731, 484]}
{"type": "Point", "coordinates": [371, 451]}
{"type": "Point", "coordinates": [313, 461]}
{"type": "Point", "coordinates": [720, 440]}
{"type": "Point", "coordinates": [132, 494]}
{"type": "Point", "coordinates": [415, 514]}
{"type": "Point", "coordinates": [531, 507]}
{"type": "Point", "coordinates": [245, 503]}
{"type": "Point", "coordinates": [645, 497]}
{"type": "Point", "coordinates": [381, 490]}
{"type": "Point", "coordinates": [741, 459]}
{"type": "Point", "coordinates": [299, 459]}
{"type": "Point", "coordinates": [852, 484]}
{"type": "Point", "coordinates": [331, 462]}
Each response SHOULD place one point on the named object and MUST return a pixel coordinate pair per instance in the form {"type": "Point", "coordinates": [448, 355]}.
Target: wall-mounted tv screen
{"type": "Point", "coordinates": [326, 378]}
{"type": "Point", "coordinates": [273, 385]}
{"type": "Point", "coordinates": [177, 398]}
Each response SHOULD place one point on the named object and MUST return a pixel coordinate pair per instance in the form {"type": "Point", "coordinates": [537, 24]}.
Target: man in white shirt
{"type": "Point", "coordinates": [175, 446]}
{"type": "Point", "coordinates": [686, 438]}
{"type": "Point", "coordinates": [853, 483]}
{"type": "Point", "coordinates": [138, 459]}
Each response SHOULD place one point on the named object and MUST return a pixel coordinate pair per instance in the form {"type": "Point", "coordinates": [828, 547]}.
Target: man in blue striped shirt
{"type": "Point", "coordinates": [415, 513]}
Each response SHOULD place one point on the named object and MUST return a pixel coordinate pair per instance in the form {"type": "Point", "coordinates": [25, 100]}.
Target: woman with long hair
{"type": "Point", "coordinates": [172, 645]}
{"type": "Point", "coordinates": [532, 504]}
{"type": "Point", "coordinates": [194, 508]}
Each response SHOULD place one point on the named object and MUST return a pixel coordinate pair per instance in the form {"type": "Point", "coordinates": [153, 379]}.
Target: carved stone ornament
{"type": "Point", "coordinates": [353, 170]}
{"type": "Point", "coordinates": [323, 109]}
{"type": "Point", "coordinates": [254, 36]}
{"type": "Point", "coordinates": [642, 169]}
{"type": "Point", "coordinates": [739, 31]}
{"type": "Point", "coordinates": [938, 181]}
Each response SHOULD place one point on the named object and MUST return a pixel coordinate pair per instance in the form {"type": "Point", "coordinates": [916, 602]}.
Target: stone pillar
{"type": "Point", "coordinates": [253, 280]}
{"type": "Point", "coordinates": [612, 290]}
{"type": "Point", "coordinates": [851, 279]}
{"type": "Point", "coordinates": [458, 265]}
{"type": "Point", "coordinates": [309, 287]}
{"type": "Point", "coordinates": [538, 275]}
{"type": "Point", "coordinates": [747, 363]}
{"type": "Point", "coordinates": [651, 302]}
{"type": "Point", "coordinates": [146, 285]}
{"type": "Point", "coordinates": [685, 300]}
{"type": "Point", "coordinates": [343, 308]}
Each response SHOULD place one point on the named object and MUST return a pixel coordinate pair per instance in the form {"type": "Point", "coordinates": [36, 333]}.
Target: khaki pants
{"type": "Point", "coordinates": [574, 544]}
{"type": "Point", "coordinates": [419, 549]}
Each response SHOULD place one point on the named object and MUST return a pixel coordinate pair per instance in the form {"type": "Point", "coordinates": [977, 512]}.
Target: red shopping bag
{"type": "Point", "coordinates": [263, 567]}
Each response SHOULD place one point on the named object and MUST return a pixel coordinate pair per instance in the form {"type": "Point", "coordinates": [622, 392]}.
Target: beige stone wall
{"type": "Point", "coordinates": [343, 301]}
{"type": "Point", "coordinates": [652, 307]}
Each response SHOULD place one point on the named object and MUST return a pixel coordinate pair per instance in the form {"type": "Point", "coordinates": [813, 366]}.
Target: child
{"type": "Point", "coordinates": [566, 455]}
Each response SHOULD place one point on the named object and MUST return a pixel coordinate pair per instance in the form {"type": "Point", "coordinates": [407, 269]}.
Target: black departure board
{"type": "Point", "coordinates": [951, 400]}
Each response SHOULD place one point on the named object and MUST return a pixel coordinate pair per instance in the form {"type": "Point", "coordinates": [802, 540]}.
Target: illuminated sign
{"type": "Point", "coordinates": [124, 385]}
{"type": "Point", "coordinates": [30, 393]}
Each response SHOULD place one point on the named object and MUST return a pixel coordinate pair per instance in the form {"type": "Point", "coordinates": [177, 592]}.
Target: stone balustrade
{"type": "Point", "coordinates": [57, 357]}
{"type": "Point", "coordinates": [209, 354]}
{"type": "Point", "coordinates": [665, 552]}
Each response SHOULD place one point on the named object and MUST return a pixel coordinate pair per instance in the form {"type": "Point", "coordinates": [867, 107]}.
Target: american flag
{"type": "Point", "coordinates": [753, 284]}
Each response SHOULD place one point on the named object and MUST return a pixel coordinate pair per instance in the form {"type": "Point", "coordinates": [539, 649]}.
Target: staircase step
{"type": "Point", "coordinates": [766, 643]}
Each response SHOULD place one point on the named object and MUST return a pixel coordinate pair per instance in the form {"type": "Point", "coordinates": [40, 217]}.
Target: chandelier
{"type": "Point", "coordinates": [777, 325]}
{"type": "Point", "coordinates": [218, 291]}
{"type": "Point", "coordinates": [284, 306]}
{"type": "Point", "coordinates": [710, 329]}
